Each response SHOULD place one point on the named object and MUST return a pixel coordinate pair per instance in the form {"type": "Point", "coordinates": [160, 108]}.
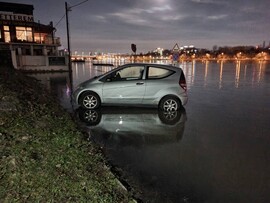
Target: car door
{"type": "Point", "coordinates": [156, 81]}
{"type": "Point", "coordinates": [125, 86]}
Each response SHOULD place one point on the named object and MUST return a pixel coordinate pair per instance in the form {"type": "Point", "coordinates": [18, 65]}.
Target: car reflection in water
{"type": "Point", "coordinates": [141, 143]}
{"type": "Point", "coordinates": [116, 127]}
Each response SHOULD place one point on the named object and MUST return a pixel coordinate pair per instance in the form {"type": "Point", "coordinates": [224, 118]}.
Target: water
{"type": "Point", "coordinates": [217, 150]}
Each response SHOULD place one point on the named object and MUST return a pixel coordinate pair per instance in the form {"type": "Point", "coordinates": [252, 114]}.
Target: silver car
{"type": "Point", "coordinates": [139, 84]}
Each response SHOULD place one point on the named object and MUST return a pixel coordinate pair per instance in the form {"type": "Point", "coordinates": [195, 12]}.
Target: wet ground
{"type": "Point", "coordinates": [214, 150]}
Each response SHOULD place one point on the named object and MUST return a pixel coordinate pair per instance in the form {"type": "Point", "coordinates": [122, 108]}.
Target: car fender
{"type": "Point", "coordinates": [91, 89]}
{"type": "Point", "coordinates": [174, 91]}
{"type": "Point", "coordinates": [168, 91]}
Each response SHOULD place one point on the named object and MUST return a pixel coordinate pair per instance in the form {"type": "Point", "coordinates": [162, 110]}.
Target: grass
{"type": "Point", "coordinates": [43, 156]}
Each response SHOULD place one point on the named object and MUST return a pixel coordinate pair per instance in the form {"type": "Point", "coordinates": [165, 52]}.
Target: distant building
{"type": "Point", "coordinates": [159, 51]}
{"type": "Point", "coordinates": [31, 45]}
{"type": "Point", "coordinates": [188, 50]}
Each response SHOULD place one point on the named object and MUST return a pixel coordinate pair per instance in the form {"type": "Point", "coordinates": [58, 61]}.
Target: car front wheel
{"type": "Point", "coordinates": [169, 103]}
{"type": "Point", "coordinates": [89, 100]}
{"type": "Point", "coordinates": [91, 117]}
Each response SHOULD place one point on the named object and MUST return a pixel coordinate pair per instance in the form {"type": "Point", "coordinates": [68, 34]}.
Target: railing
{"type": "Point", "coordinates": [48, 41]}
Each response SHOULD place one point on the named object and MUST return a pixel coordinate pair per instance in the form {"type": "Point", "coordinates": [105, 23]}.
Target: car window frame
{"type": "Point", "coordinates": [109, 76]}
{"type": "Point", "coordinates": [147, 72]}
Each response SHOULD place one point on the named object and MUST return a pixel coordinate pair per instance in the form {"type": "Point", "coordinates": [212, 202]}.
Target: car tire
{"type": "Point", "coordinates": [91, 117]}
{"type": "Point", "coordinates": [170, 103]}
{"type": "Point", "coordinates": [169, 117]}
{"type": "Point", "coordinates": [89, 100]}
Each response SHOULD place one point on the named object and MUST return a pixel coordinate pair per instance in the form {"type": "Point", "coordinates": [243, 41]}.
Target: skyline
{"type": "Point", "coordinates": [112, 26]}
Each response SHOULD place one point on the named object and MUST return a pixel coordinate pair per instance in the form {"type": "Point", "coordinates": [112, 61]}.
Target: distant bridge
{"type": "Point", "coordinates": [88, 58]}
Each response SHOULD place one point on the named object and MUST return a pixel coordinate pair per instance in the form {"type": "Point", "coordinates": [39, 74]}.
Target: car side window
{"type": "Point", "coordinates": [129, 73]}
{"type": "Point", "coordinates": [158, 73]}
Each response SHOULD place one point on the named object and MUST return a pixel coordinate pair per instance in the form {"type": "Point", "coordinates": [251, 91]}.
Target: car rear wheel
{"type": "Point", "coordinates": [89, 100]}
{"type": "Point", "coordinates": [169, 117]}
{"type": "Point", "coordinates": [170, 103]}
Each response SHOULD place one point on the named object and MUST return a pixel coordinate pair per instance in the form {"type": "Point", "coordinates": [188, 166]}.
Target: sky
{"type": "Point", "coordinates": [113, 25]}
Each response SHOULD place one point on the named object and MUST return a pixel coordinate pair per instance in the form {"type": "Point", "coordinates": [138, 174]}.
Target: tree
{"type": "Point", "coordinates": [215, 47]}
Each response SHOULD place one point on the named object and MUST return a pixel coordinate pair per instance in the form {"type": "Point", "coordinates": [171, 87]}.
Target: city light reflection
{"type": "Point", "coordinates": [193, 71]}
{"type": "Point", "coordinates": [189, 73]}
{"type": "Point", "coordinates": [206, 72]}
{"type": "Point", "coordinates": [76, 71]}
{"type": "Point", "coordinates": [237, 73]}
{"type": "Point", "coordinates": [83, 68]}
{"type": "Point", "coordinates": [220, 74]}
{"type": "Point", "coordinates": [262, 65]}
{"type": "Point", "coordinates": [245, 72]}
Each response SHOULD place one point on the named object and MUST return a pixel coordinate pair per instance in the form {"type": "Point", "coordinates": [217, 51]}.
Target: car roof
{"type": "Point", "coordinates": [170, 67]}
{"type": "Point", "coordinates": [154, 64]}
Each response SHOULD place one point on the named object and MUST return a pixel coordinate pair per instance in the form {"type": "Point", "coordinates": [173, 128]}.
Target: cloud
{"type": "Point", "coordinates": [141, 16]}
{"type": "Point", "coordinates": [159, 9]}
{"type": "Point", "coordinates": [130, 18]}
{"type": "Point", "coordinates": [171, 18]}
{"type": "Point", "coordinates": [206, 1]}
{"type": "Point", "coordinates": [217, 17]}
{"type": "Point", "coordinates": [113, 25]}
{"type": "Point", "coordinates": [100, 18]}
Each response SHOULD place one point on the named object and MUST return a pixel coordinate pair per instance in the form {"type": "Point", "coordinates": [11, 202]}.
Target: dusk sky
{"type": "Point", "coordinates": [113, 25]}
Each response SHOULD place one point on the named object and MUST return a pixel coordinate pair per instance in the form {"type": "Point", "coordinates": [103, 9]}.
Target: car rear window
{"type": "Point", "coordinates": [158, 73]}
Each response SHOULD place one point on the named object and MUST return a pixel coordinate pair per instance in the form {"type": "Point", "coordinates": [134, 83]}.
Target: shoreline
{"type": "Point", "coordinates": [44, 156]}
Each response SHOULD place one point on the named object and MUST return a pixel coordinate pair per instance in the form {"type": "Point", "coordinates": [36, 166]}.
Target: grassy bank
{"type": "Point", "coordinates": [43, 157]}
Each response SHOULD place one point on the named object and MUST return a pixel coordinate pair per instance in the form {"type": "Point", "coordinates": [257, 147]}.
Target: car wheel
{"type": "Point", "coordinates": [169, 117]}
{"type": "Point", "coordinates": [90, 116]}
{"type": "Point", "coordinates": [89, 100]}
{"type": "Point", "coordinates": [169, 103]}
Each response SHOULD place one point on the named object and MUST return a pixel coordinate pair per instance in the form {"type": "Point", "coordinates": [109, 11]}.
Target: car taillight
{"type": "Point", "coordinates": [182, 82]}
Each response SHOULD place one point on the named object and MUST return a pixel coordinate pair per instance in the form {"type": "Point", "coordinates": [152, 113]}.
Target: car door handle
{"type": "Point", "coordinates": [139, 83]}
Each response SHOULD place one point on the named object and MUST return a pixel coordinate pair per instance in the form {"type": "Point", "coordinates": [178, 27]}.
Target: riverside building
{"type": "Point", "coordinates": [27, 44]}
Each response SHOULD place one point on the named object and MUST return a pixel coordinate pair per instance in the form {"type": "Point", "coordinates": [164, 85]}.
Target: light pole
{"type": "Point", "coordinates": [68, 39]}
{"type": "Point", "coordinates": [68, 8]}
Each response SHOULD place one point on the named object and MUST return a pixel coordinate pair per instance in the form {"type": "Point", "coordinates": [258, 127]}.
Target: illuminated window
{"type": "Point", "coordinates": [40, 38]}
{"type": "Point", "coordinates": [43, 38]}
{"type": "Point", "coordinates": [24, 34]}
{"type": "Point", "coordinates": [7, 34]}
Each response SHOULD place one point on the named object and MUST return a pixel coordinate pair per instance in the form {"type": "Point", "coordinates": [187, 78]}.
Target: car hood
{"type": "Point", "coordinates": [85, 83]}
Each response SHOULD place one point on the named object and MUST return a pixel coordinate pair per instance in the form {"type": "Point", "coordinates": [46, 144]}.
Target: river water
{"type": "Point", "coordinates": [216, 150]}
